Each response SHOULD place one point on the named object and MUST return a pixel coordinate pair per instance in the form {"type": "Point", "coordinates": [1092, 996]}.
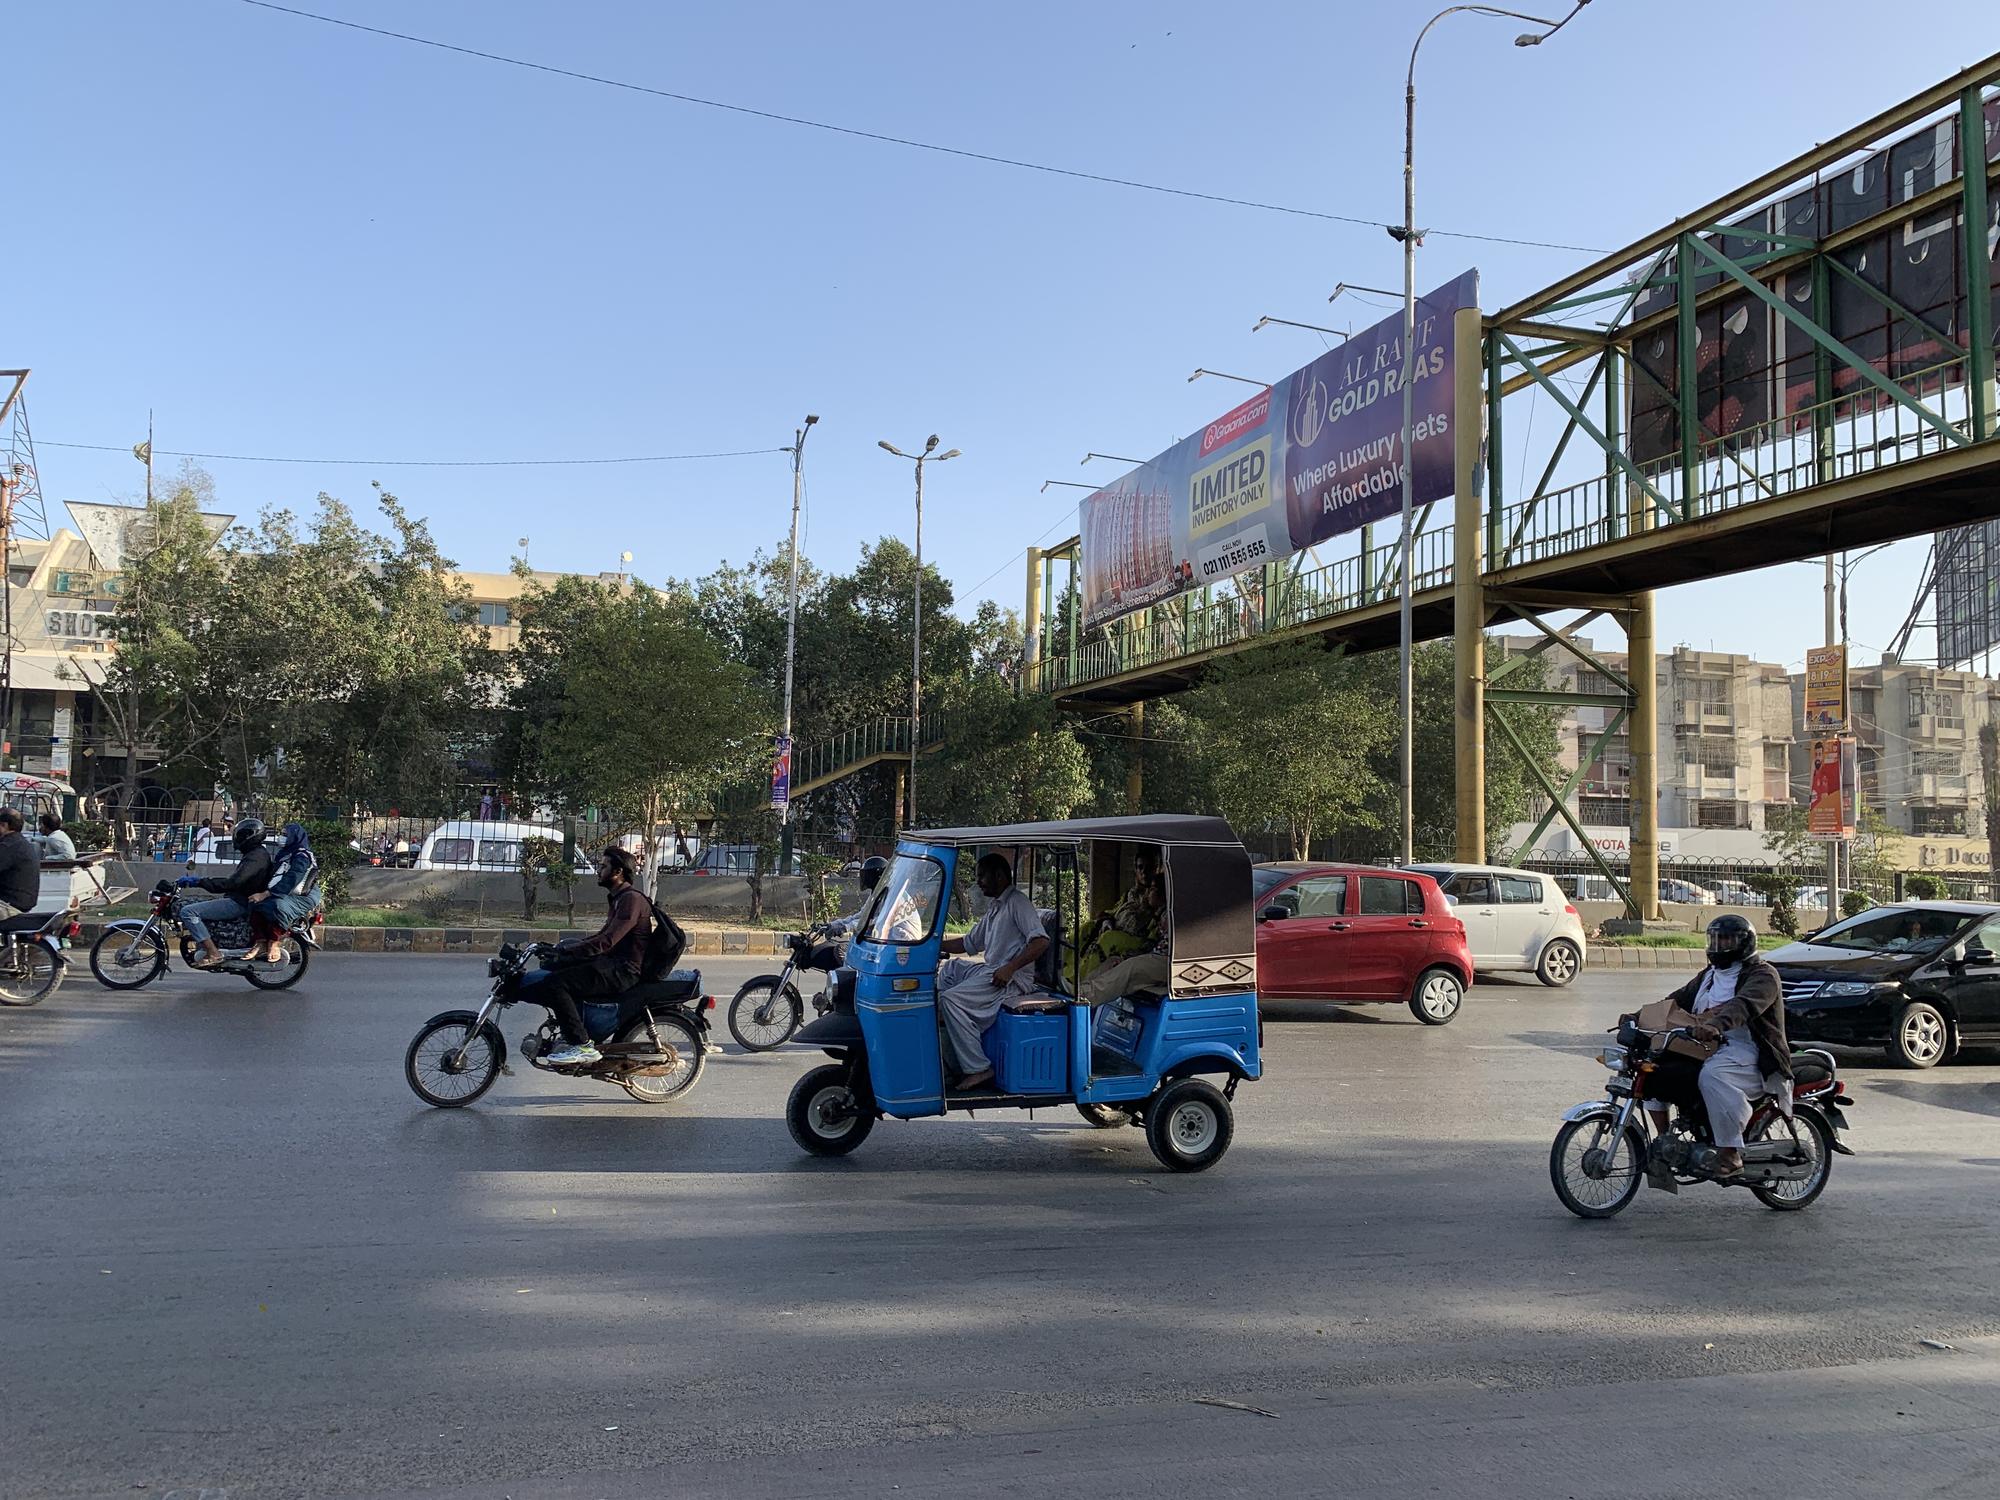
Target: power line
{"type": "Point", "coordinates": [891, 140]}
{"type": "Point", "coordinates": [420, 463]}
{"type": "Point", "coordinates": [1019, 552]}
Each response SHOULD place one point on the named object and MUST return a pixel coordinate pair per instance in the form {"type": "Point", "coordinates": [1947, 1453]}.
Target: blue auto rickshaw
{"type": "Point", "coordinates": [1153, 1056]}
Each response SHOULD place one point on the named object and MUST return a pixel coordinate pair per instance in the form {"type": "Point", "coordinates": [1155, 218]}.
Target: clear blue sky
{"type": "Point", "coordinates": [291, 239]}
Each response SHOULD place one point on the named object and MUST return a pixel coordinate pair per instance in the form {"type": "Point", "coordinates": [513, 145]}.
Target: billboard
{"type": "Point", "coordinates": [1752, 366]}
{"type": "Point", "coordinates": [1314, 456]}
{"type": "Point", "coordinates": [1826, 690]}
{"type": "Point", "coordinates": [1835, 774]}
{"type": "Point", "coordinates": [1968, 592]}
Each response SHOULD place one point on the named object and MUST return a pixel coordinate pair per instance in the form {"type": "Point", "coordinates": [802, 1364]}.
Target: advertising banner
{"type": "Point", "coordinates": [1835, 775]}
{"type": "Point", "coordinates": [781, 774]}
{"type": "Point", "coordinates": [1826, 690]}
{"type": "Point", "coordinates": [1314, 456]}
{"type": "Point", "coordinates": [1968, 592]}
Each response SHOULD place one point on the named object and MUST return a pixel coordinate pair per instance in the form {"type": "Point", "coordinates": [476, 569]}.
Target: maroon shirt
{"type": "Point", "coordinates": [623, 936]}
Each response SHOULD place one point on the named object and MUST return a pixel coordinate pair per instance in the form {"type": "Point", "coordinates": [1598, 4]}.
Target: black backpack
{"type": "Point", "coordinates": [664, 944]}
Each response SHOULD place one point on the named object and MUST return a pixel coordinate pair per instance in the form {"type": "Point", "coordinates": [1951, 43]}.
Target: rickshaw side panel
{"type": "Point", "coordinates": [1197, 1028]}
{"type": "Point", "coordinates": [895, 1000]}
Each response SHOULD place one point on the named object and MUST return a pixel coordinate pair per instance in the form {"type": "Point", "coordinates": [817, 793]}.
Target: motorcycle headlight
{"type": "Point", "coordinates": [1846, 987]}
{"type": "Point", "coordinates": [1613, 1058]}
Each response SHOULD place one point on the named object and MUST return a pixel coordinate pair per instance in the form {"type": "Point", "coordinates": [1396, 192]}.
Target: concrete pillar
{"type": "Point", "coordinates": [1645, 783]}
{"type": "Point", "coordinates": [1031, 624]}
{"type": "Point", "coordinates": [1468, 591]}
{"type": "Point", "coordinates": [1135, 768]}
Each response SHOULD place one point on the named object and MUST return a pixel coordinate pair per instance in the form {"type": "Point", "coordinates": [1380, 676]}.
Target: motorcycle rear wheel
{"type": "Point", "coordinates": [761, 1018]}
{"type": "Point", "coordinates": [1789, 1197]}
{"type": "Point", "coordinates": [426, 1068]}
{"type": "Point", "coordinates": [33, 973]}
{"type": "Point", "coordinates": [282, 975]}
{"type": "Point", "coordinates": [664, 1088]}
{"type": "Point", "coordinates": [148, 959]}
{"type": "Point", "coordinates": [1620, 1171]}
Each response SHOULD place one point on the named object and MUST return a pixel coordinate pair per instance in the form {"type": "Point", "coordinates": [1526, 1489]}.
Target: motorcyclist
{"type": "Point", "coordinates": [871, 876]}
{"type": "Point", "coordinates": [1739, 1001]}
{"type": "Point", "coordinates": [234, 890]}
{"type": "Point", "coordinates": [606, 963]}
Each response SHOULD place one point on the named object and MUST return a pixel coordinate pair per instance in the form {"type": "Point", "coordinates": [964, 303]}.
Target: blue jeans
{"type": "Point", "coordinates": [196, 918]}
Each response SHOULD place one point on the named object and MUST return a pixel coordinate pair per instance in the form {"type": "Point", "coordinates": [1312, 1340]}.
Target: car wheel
{"type": "Point", "coordinates": [1437, 998]}
{"type": "Point", "coordinates": [1921, 1038]}
{"type": "Point", "coordinates": [1560, 964]}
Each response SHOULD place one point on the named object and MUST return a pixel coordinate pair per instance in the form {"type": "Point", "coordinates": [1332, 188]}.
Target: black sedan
{"type": "Point", "coordinates": [1920, 980]}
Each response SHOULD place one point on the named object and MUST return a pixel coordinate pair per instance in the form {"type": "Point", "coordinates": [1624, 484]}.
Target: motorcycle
{"type": "Point", "coordinates": [131, 954]}
{"type": "Point", "coordinates": [769, 1008]}
{"type": "Point", "coordinates": [1601, 1154]}
{"type": "Point", "coordinates": [653, 1037]}
{"type": "Point", "coordinates": [31, 956]}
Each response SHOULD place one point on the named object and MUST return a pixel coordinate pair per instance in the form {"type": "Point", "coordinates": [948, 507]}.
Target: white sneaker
{"type": "Point", "coordinates": [571, 1056]}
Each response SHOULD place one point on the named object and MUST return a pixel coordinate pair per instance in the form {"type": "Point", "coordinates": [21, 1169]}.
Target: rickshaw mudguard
{"type": "Point", "coordinates": [835, 1030]}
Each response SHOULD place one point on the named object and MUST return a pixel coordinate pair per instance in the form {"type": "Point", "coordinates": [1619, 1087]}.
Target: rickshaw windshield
{"type": "Point", "coordinates": [912, 897]}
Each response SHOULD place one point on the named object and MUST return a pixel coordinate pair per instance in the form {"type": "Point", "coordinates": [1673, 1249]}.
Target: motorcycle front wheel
{"type": "Point", "coordinates": [29, 975]}
{"type": "Point", "coordinates": [1594, 1175]}
{"type": "Point", "coordinates": [433, 1075]}
{"type": "Point", "coordinates": [126, 960]}
{"type": "Point", "coordinates": [764, 1015]}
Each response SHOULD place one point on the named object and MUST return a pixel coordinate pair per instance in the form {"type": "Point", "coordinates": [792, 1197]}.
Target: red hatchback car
{"type": "Point", "coordinates": [1358, 933]}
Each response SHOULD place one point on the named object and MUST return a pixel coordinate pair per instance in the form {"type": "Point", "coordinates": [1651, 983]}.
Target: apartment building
{"type": "Point", "coordinates": [1917, 743]}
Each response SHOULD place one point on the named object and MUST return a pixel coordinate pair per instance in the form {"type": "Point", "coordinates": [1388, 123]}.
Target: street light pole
{"type": "Point", "coordinates": [1409, 237]}
{"type": "Point", "coordinates": [792, 606]}
{"type": "Point", "coordinates": [917, 620]}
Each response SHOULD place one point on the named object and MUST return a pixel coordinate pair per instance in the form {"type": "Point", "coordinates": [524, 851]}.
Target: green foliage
{"type": "Point", "coordinates": [622, 700]}
{"type": "Point", "coordinates": [1009, 760]}
{"type": "Point", "coordinates": [1920, 887]}
{"type": "Point", "coordinates": [88, 834]}
{"type": "Point", "coordinates": [539, 857]}
{"type": "Point", "coordinates": [435, 902]}
{"type": "Point", "coordinates": [1779, 889]}
{"type": "Point", "coordinates": [1854, 903]}
{"type": "Point", "coordinates": [1289, 734]}
{"type": "Point", "coordinates": [332, 847]}
{"type": "Point", "coordinates": [822, 901]}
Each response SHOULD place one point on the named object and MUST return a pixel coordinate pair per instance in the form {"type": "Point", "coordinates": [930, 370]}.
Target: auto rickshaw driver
{"type": "Point", "coordinates": [1008, 938]}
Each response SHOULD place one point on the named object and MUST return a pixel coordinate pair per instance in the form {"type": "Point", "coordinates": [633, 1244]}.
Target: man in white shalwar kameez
{"type": "Point", "coordinates": [1008, 939]}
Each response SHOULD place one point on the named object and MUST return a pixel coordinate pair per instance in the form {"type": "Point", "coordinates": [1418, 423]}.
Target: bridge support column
{"type": "Point", "coordinates": [1135, 768]}
{"type": "Point", "coordinates": [1645, 739]}
{"type": "Point", "coordinates": [902, 797]}
{"type": "Point", "coordinates": [1468, 592]}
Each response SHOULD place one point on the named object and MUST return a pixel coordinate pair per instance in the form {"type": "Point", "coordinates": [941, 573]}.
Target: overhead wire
{"type": "Point", "coordinates": [416, 463]}
{"type": "Point", "coordinates": [883, 138]}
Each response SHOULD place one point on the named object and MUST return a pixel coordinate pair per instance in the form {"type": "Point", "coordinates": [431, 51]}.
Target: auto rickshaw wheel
{"type": "Point", "coordinates": [824, 1115]}
{"type": "Point", "coordinates": [1188, 1125]}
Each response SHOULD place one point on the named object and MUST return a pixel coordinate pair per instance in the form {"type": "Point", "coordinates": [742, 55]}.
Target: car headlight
{"type": "Point", "coordinates": [1846, 987]}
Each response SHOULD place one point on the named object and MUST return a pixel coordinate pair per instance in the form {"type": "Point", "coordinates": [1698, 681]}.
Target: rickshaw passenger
{"type": "Point", "coordinates": [1008, 938]}
{"type": "Point", "coordinates": [1129, 927]}
{"type": "Point", "coordinates": [1142, 971]}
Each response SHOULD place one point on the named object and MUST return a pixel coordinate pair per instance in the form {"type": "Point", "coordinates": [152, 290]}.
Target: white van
{"type": "Point", "coordinates": [1514, 919]}
{"type": "Point", "coordinates": [470, 845]}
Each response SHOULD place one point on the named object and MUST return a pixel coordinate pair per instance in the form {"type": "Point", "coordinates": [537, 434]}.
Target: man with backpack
{"type": "Point", "coordinates": [601, 966]}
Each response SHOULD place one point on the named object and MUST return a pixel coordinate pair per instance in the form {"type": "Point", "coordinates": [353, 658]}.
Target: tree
{"type": "Point", "coordinates": [1291, 733]}
{"type": "Point", "coordinates": [1008, 760]}
{"type": "Point", "coordinates": [623, 701]}
{"type": "Point", "coordinates": [159, 694]}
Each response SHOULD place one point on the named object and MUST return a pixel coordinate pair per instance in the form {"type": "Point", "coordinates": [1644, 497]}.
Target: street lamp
{"type": "Point", "coordinates": [792, 608]}
{"type": "Point", "coordinates": [1068, 484]}
{"type": "Point", "coordinates": [1262, 385]}
{"type": "Point", "coordinates": [1116, 459]}
{"type": "Point", "coordinates": [1339, 333]}
{"type": "Point", "coordinates": [917, 613]}
{"type": "Point", "coordinates": [1410, 238]}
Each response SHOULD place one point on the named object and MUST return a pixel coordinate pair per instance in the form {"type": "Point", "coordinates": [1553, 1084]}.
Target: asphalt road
{"type": "Point", "coordinates": [239, 1258]}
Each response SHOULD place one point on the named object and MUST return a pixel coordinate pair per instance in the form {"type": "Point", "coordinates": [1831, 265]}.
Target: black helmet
{"type": "Point", "coordinates": [248, 834]}
{"type": "Point", "coordinates": [1731, 939]}
{"type": "Point", "coordinates": [871, 871]}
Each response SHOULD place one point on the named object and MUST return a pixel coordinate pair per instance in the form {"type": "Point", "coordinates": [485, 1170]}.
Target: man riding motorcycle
{"type": "Point", "coordinates": [606, 963]}
{"type": "Point", "coordinates": [251, 875]}
{"type": "Point", "coordinates": [1739, 1001]}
